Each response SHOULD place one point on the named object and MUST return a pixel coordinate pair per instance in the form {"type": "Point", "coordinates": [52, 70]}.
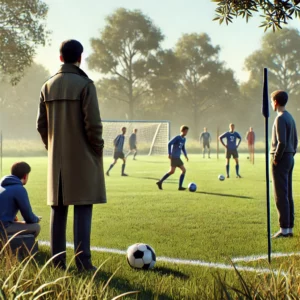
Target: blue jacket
{"type": "Point", "coordinates": [14, 198]}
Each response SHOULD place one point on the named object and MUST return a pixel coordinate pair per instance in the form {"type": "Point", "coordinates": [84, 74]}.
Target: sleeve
{"type": "Point", "coordinates": [171, 143]}
{"type": "Point", "coordinates": [281, 138]}
{"type": "Point", "coordinates": [295, 140]}
{"type": "Point", "coordinates": [25, 207]}
{"type": "Point", "coordinates": [42, 122]}
{"type": "Point", "coordinates": [201, 137]}
{"type": "Point", "coordinates": [222, 136]}
{"type": "Point", "coordinates": [184, 151]}
{"type": "Point", "coordinates": [240, 138]}
{"type": "Point", "coordinates": [92, 121]}
{"type": "Point", "coordinates": [209, 137]}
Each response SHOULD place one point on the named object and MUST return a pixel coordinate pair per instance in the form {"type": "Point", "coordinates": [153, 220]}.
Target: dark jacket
{"type": "Point", "coordinates": [14, 198]}
{"type": "Point", "coordinates": [70, 126]}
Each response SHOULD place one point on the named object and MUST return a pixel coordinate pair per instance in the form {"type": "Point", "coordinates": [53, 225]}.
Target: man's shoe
{"type": "Point", "coordinates": [227, 176]}
{"type": "Point", "coordinates": [124, 174]}
{"type": "Point", "coordinates": [279, 234]}
{"type": "Point", "coordinates": [238, 176]}
{"type": "Point", "coordinates": [181, 189]}
{"type": "Point", "coordinates": [107, 173]}
{"type": "Point", "coordinates": [159, 184]}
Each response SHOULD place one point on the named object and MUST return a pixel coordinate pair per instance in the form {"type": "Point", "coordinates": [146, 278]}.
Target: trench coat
{"type": "Point", "coordinates": [70, 127]}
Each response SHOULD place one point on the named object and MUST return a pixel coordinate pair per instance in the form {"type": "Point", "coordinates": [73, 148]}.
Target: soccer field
{"type": "Point", "coordinates": [221, 220]}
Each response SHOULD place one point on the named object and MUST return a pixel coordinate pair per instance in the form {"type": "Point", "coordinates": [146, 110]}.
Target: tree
{"type": "Point", "coordinates": [18, 104]}
{"type": "Point", "coordinates": [122, 53]}
{"type": "Point", "coordinates": [204, 81]}
{"type": "Point", "coordinates": [22, 29]}
{"type": "Point", "coordinates": [274, 12]}
{"type": "Point", "coordinates": [280, 54]}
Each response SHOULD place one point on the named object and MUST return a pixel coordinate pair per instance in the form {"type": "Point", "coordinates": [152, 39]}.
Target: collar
{"type": "Point", "coordinates": [70, 68]}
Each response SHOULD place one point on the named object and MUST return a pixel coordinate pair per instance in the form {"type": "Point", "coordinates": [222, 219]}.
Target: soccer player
{"type": "Point", "coordinates": [283, 148]}
{"type": "Point", "coordinates": [132, 144]}
{"type": "Point", "coordinates": [175, 146]}
{"type": "Point", "coordinates": [250, 137]}
{"type": "Point", "coordinates": [206, 139]}
{"type": "Point", "coordinates": [231, 148]}
{"type": "Point", "coordinates": [118, 151]}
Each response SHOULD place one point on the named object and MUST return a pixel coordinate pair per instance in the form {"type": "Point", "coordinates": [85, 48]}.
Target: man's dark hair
{"type": "Point", "coordinates": [281, 97]}
{"type": "Point", "coordinates": [71, 51]}
{"type": "Point", "coordinates": [20, 169]}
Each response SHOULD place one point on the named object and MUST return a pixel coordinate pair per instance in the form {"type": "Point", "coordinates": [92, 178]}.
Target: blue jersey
{"type": "Point", "coordinates": [119, 143]}
{"type": "Point", "coordinates": [231, 139]}
{"type": "Point", "coordinates": [176, 145]}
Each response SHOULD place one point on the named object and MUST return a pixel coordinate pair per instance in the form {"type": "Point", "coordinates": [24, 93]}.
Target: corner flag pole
{"type": "Point", "coordinates": [265, 112]}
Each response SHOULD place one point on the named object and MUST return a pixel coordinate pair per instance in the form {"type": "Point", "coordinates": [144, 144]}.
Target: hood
{"type": "Point", "coordinates": [10, 180]}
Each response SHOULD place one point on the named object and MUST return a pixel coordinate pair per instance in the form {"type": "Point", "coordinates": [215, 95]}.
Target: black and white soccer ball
{"type": "Point", "coordinates": [141, 256]}
{"type": "Point", "coordinates": [221, 177]}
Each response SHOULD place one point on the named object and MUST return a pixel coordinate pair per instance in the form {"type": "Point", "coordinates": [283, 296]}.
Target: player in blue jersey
{"type": "Point", "coordinates": [118, 151]}
{"type": "Point", "coordinates": [175, 147]}
{"type": "Point", "coordinates": [206, 139]}
{"type": "Point", "coordinates": [231, 146]}
{"type": "Point", "coordinates": [132, 144]}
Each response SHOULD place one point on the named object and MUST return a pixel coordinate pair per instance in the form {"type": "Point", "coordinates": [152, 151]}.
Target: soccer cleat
{"type": "Point", "coordinates": [279, 234]}
{"type": "Point", "coordinates": [107, 173]}
{"type": "Point", "coordinates": [159, 184]}
{"type": "Point", "coordinates": [181, 189]}
{"type": "Point", "coordinates": [124, 174]}
{"type": "Point", "coordinates": [238, 176]}
{"type": "Point", "coordinates": [227, 176]}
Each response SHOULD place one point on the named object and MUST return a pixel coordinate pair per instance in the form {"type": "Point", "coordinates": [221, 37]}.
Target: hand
{"type": "Point", "coordinates": [16, 219]}
{"type": "Point", "coordinates": [187, 159]}
{"type": "Point", "coordinates": [170, 156]}
{"type": "Point", "coordinates": [275, 163]}
{"type": "Point", "coordinates": [40, 218]}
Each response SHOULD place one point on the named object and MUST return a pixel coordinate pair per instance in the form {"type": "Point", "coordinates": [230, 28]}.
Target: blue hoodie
{"type": "Point", "coordinates": [14, 198]}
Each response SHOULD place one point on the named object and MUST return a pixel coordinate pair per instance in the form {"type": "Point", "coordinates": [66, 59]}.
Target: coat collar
{"type": "Point", "coordinates": [70, 68]}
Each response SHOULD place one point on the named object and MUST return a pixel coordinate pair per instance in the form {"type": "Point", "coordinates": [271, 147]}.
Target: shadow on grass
{"type": "Point", "coordinates": [167, 271]}
{"type": "Point", "coordinates": [117, 285]}
{"type": "Point", "coordinates": [224, 195]}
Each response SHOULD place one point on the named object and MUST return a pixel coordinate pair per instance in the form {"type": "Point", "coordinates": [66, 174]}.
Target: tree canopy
{"type": "Point", "coordinates": [275, 13]}
{"type": "Point", "coordinates": [22, 30]}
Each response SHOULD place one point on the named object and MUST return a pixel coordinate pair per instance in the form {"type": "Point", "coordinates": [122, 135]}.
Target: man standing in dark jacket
{"type": "Point", "coordinates": [284, 147]}
{"type": "Point", "coordinates": [70, 126]}
{"type": "Point", "coordinates": [14, 198]}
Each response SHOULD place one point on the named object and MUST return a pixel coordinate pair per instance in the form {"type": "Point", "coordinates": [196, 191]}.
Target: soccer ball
{"type": "Point", "coordinates": [221, 177]}
{"type": "Point", "coordinates": [141, 256]}
{"type": "Point", "coordinates": [192, 187]}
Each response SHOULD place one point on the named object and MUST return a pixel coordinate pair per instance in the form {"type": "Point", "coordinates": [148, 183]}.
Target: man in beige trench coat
{"type": "Point", "coordinates": [70, 126]}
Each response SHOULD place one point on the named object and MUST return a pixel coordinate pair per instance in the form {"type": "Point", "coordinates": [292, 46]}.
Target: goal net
{"type": "Point", "coordinates": [152, 136]}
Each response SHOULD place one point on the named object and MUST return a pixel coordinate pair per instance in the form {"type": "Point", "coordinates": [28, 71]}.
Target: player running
{"type": "Point", "coordinates": [250, 137]}
{"type": "Point", "coordinates": [118, 151]}
{"type": "Point", "coordinates": [206, 139]}
{"type": "Point", "coordinates": [231, 148]}
{"type": "Point", "coordinates": [175, 146]}
{"type": "Point", "coordinates": [132, 144]}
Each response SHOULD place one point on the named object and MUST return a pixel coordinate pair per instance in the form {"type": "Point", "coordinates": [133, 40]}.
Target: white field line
{"type": "Point", "coordinates": [263, 257]}
{"type": "Point", "coordinates": [180, 261]}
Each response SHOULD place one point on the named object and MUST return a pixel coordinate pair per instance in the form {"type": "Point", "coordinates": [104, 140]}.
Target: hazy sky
{"type": "Point", "coordinates": [85, 18]}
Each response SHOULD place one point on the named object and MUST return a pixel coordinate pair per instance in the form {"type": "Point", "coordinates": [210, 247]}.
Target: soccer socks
{"type": "Point", "coordinates": [123, 168]}
{"type": "Point", "coordinates": [165, 177]}
{"type": "Point", "coordinates": [227, 170]}
{"type": "Point", "coordinates": [135, 154]}
{"type": "Point", "coordinates": [237, 169]}
{"type": "Point", "coordinates": [181, 178]}
{"type": "Point", "coordinates": [110, 167]}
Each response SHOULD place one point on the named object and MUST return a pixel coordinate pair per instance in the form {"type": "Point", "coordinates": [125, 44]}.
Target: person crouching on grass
{"type": "Point", "coordinates": [175, 146]}
{"type": "Point", "coordinates": [14, 198]}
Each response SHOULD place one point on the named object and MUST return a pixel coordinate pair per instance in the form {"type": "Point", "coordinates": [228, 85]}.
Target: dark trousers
{"type": "Point", "coordinates": [283, 193]}
{"type": "Point", "coordinates": [82, 232]}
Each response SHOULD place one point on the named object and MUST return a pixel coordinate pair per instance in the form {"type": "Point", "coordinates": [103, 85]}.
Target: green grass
{"type": "Point", "coordinates": [221, 220]}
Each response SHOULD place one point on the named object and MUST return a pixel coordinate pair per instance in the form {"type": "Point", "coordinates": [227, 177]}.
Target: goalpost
{"type": "Point", "coordinates": [152, 136]}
